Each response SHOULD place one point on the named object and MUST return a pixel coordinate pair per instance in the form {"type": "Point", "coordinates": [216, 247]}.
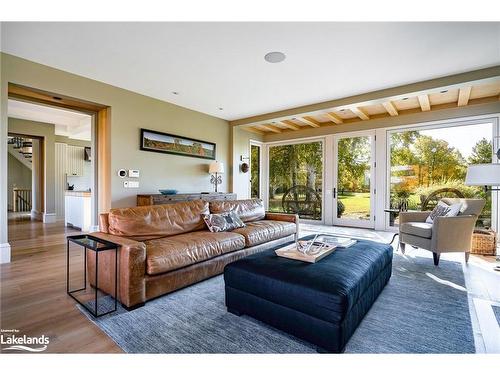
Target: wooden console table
{"type": "Point", "coordinates": [153, 199]}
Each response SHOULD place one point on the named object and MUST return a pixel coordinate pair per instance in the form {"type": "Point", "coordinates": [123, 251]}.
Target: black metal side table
{"type": "Point", "coordinates": [97, 245]}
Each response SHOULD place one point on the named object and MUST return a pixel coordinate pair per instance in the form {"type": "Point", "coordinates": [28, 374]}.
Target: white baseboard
{"type": "Point", "coordinates": [35, 215]}
{"type": "Point", "coordinates": [4, 253]}
{"type": "Point", "coordinates": [49, 218]}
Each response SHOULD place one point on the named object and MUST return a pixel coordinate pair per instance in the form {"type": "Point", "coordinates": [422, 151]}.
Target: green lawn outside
{"type": "Point", "coordinates": [357, 205]}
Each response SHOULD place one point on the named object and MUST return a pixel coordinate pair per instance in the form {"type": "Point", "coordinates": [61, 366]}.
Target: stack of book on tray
{"type": "Point", "coordinates": [314, 250]}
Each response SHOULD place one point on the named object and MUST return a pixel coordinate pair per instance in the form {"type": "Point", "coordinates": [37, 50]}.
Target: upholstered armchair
{"type": "Point", "coordinates": [446, 234]}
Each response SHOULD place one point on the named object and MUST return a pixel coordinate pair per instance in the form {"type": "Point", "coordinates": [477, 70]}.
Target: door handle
{"type": "Point", "coordinates": [334, 192]}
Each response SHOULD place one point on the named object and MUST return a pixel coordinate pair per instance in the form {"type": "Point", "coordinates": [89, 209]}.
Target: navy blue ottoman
{"type": "Point", "coordinates": [322, 303]}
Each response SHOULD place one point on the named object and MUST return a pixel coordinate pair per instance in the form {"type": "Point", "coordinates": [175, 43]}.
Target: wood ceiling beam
{"type": "Point", "coordinates": [390, 108]}
{"type": "Point", "coordinates": [425, 105]}
{"type": "Point", "coordinates": [464, 96]}
{"type": "Point", "coordinates": [335, 118]}
{"type": "Point", "coordinates": [477, 77]}
{"type": "Point", "coordinates": [29, 94]}
{"type": "Point", "coordinates": [269, 127]}
{"type": "Point", "coordinates": [254, 130]}
{"type": "Point", "coordinates": [310, 121]}
{"type": "Point", "coordinates": [358, 112]}
{"type": "Point", "coordinates": [290, 125]}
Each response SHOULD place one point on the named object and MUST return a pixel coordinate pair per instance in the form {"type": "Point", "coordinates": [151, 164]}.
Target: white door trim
{"type": "Point", "coordinates": [4, 253]}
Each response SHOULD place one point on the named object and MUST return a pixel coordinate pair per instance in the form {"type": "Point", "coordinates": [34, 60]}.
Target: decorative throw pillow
{"type": "Point", "coordinates": [442, 209]}
{"type": "Point", "coordinates": [223, 222]}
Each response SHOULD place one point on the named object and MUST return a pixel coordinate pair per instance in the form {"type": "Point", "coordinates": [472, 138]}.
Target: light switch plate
{"type": "Point", "coordinates": [133, 173]}
{"type": "Point", "coordinates": [133, 184]}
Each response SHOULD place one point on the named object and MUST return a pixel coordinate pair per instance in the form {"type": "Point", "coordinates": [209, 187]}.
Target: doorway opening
{"type": "Point", "coordinates": [65, 141]}
{"type": "Point", "coordinates": [50, 168]}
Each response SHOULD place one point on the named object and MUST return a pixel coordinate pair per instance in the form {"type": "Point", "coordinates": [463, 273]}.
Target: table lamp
{"type": "Point", "coordinates": [216, 169]}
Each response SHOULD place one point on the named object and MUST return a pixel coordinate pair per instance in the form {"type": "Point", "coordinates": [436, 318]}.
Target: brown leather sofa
{"type": "Point", "coordinates": [167, 247]}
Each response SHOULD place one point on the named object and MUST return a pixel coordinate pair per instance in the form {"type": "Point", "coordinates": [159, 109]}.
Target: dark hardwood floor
{"type": "Point", "coordinates": [33, 291]}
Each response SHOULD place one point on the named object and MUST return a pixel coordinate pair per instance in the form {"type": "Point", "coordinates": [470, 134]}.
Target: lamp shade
{"type": "Point", "coordinates": [216, 167]}
{"type": "Point", "coordinates": [483, 175]}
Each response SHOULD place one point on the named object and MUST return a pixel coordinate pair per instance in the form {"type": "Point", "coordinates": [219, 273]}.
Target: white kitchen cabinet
{"type": "Point", "coordinates": [75, 161]}
{"type": "Point", "coordinates": [78, 210]}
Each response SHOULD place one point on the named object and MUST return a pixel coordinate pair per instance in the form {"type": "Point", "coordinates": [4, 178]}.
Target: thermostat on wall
{"type": "Point", "coordinates": [133, 173]}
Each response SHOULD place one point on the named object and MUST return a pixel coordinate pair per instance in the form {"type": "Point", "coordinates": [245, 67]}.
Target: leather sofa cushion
{"type": "Point", "coordinates": [417, 229]}
{"type": "Point", "coordinates": [171, 253]}
{"type": "Point", "coordinates": [246, 209]}
{"type": "Point", "coordinates": [261, 231]}
{"type": "Point", "coordinates": [149, 222]}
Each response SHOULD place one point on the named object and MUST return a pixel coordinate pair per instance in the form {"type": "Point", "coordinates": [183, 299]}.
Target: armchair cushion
{"type": "Point", "coordinates": [417, 229]}
{"type": "Point", "coordinates": [444, 209]}
{"type": "Point", "coordinates": [469, 206]}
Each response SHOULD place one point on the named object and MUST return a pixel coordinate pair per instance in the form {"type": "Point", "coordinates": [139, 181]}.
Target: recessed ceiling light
{"type": "Point", "coordinates": [274, 57]}
{"type": "Point", "coordinates": [175, 92]}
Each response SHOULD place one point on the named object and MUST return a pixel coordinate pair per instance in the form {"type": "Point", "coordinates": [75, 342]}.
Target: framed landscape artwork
{"type": "Point", "coordinates": [173, 144]}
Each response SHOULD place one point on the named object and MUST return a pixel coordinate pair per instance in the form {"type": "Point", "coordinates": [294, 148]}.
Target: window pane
{"type": "Point", "coordinates": [354, 167]}
{"type": "Point", "coordinates": [295, 179]}
{"type": "Point", "coordinates": [427, 165]}
{"type": "Point", "coordinates": [255, 171]}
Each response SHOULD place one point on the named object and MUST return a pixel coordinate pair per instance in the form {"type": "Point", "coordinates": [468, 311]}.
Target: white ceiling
{"type": "Point", "coordinates": [67, 123]}
{"type": "Point", "coordinates": [215, 65]}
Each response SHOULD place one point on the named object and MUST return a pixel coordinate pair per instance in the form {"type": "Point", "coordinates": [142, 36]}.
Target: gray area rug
{"type": "Point", "coordinates": [423, 309]}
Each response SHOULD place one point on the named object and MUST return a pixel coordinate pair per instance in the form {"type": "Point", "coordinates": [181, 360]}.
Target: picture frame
{"type": "Point", "coordinates": [165, 143]}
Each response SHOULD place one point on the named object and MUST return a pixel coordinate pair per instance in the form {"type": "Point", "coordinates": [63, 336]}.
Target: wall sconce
{"type": "Point", "coordinates": [244, 168]}
{"type": "Point", "coordinates": [216, 169]}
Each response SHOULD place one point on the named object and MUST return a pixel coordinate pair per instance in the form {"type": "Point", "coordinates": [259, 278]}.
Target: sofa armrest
{"type": "Point", "coordinates": [453, 234]}
{"type": "Point", "coordinates": [413, 216]}
{"type": "Point", "coordinates": [131, 269]}
{"type": "Point", "coordinates": [292, 218]}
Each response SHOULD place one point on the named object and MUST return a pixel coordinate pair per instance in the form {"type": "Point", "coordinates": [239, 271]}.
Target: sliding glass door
{"type": "Point", "coordinates": [429, 163]}
{"type": "Point", "coordinates": [296, 179]}
{"type": "Point", "coordinates": [353, 188]}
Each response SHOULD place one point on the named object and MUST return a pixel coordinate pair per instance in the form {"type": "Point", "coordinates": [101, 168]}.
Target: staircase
{"type": "Point", "coordinates": [22, 149]}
